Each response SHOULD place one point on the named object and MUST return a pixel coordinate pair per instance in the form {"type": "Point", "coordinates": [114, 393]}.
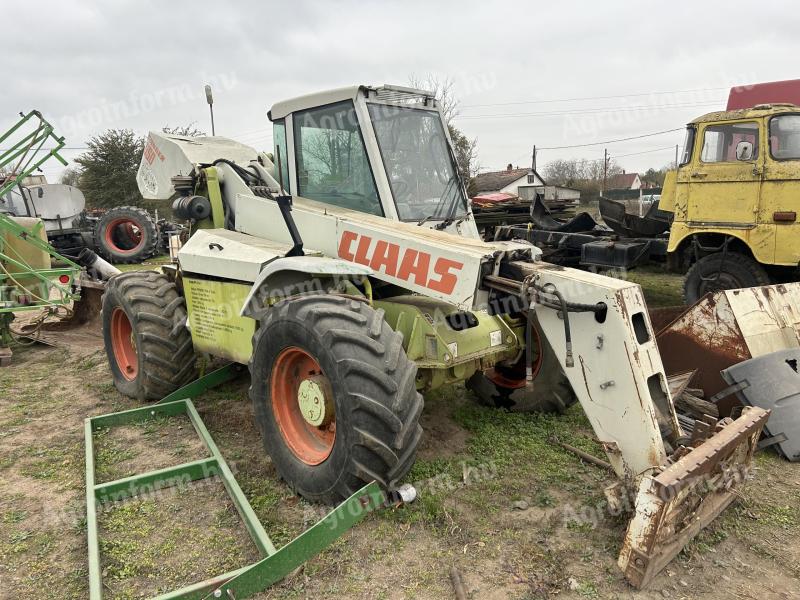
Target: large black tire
{"type": "Point", "coordinates": [722, 271]}
{"type": "Point", "coordinates": [551, 391]}
{"type": "Point", "coordinates": [126, 234]}
{"type": "Point", "coordinates": [372, 382]}
{"type": "Point", "coordinates": [147, 343]}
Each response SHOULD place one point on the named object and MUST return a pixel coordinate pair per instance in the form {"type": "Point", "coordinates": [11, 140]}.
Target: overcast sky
{"type": "Point", "coordinates": [635, 68]}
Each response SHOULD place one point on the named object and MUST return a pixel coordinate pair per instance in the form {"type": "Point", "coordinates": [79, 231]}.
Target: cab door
{"type": "Point", "coordinates": [725, 185]}
{"type": "Point", "coordinates": [781, 187]}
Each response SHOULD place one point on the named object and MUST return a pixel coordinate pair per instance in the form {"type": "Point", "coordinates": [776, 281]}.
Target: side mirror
{"type": "Point", "coordinates": [744, 151]}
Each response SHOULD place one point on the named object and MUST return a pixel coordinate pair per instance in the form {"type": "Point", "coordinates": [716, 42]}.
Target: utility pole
{"type": "Point", "coordinates": [605, 170]}
{"type": "Point", "coordinates": [210, 100]}
{"type": "Point", "coordinates": [676, 156]}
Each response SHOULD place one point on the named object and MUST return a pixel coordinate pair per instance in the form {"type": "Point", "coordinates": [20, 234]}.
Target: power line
{"type": "Point", "coordinates": [593, 97]}
{"type": "Point", "coordinates": [635, 137]}
{"type": "Point", "coordinates": [589, 111]}
{"type": "Point", "coordinates": [645, 152]}
{"type": "Point", "coordinates": [614, 156]}
{"type": "Point", "coordinates": [49, 149]}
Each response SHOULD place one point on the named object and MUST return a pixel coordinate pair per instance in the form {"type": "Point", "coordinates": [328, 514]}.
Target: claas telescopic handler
{"type": "Point", "coordinates": [345, 269]}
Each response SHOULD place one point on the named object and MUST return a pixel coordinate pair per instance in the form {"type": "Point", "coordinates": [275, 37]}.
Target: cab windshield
{"type": "Point", "coordinates": [418, 163]}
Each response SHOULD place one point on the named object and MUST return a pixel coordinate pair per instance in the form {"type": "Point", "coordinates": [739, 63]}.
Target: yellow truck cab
{"type": "Point", "coordinates": [735, 197]}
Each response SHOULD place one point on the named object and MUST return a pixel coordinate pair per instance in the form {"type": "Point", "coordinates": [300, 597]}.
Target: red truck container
{"type": "Point", "coordinates": [773, 92]}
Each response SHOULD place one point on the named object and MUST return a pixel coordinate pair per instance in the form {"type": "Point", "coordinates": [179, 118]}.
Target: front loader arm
{"type": "Point", "coordinates": [616, 370]}
{"type": "Point", "coordinates": [678, 484]}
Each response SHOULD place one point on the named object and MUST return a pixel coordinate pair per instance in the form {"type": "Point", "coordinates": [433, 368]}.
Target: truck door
{"type": "Point", "coordinates": [781, 187]}
{"type": "Point", "coordinates": [724, 184]}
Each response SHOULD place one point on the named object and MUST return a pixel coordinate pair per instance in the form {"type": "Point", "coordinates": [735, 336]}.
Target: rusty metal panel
{"type": "Point", "coordinates": [728, 327]}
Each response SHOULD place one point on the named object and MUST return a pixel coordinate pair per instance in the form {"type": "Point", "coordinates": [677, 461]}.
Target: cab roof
{"type": "Point", "coordinates": [385, 93]}
{"type": "Point", "coordinates": [760, 110]}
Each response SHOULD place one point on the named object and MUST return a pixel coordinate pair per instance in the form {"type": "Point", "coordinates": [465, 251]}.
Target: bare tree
{"type": "Point", "coordinates": [581, 174]}
{"type": "Point", "coordinates": [190, 130]}
{"type": "Point", "coordinates": [442, 90]}
{"type": "Point", "coordinates": [71, 176]}
{"type": "Point", "coordinates": [466, 150]}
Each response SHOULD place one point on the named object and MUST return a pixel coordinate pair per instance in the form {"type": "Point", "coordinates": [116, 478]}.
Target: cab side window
{"type": "Point", "coordinates": [332, 163]}
{"type": "Point", "coordinates": [281, 155]}
{"type": "Point", "coordinates": [723, 143]}
{"type": "Point", "coordinates": [784, 137]}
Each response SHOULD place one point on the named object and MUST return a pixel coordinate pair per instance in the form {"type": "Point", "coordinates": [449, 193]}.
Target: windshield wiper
{"type": "Point", "coordinates": [440, 204]}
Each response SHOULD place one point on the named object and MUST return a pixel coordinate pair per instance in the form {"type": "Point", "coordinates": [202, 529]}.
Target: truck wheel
{"type": "Point", "coordinates": [334, 396]}
{"type": "Point", "coordinates": [505, 387]}
{"type": "Point", "coordinates": [147, 343]}
{"type": "Point", "coordinates": [716, 272]}
{"type": "Point", "coordinates": [126, 234]}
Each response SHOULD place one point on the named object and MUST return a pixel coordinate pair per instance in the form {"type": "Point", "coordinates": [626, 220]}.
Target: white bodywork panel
{"type": "Point", "coordinates": [168, 155]}
{"type": "Point", "coordinates": [279, 110]}
{"type": "Point", "coordinates": [228, 254]}
{"type": "Point", "coordinates": [422, 260]}
{"type": "Point", "coordinates": [281, 276]}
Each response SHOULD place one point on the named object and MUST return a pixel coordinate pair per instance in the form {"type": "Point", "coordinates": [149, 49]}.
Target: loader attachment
{"type": "Point", "coordinates": [674, 483]}
{"type": "Point", "coordinates": [674, 505]}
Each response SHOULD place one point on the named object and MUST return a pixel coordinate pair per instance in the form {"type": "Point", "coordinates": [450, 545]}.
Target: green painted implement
{"type": "Point", "coordinates": [275, 563]}
{"type": "Point", "coordinates": [28, 281]}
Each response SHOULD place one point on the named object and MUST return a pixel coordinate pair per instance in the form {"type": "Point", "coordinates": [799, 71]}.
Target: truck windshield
{"type": "Point", "coordinates": [418, 163]}
{"type": "Point", "coordinates": [784, 137]}
{"type": "Point", "coordinates": [688, 146]}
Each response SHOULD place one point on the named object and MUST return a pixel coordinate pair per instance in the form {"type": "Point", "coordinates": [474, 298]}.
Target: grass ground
{"type": "Point", "coordinates": [519, 517]}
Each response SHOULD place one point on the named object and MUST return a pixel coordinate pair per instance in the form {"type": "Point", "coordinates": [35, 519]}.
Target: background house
{"type": "Point", "coordinates": [525, 183]}
{"type": "Point", "coordinates": [625, 181]}
{"type": "Point", "coordinates": [508, 181]}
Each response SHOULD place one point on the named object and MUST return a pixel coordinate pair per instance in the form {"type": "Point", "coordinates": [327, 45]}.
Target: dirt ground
{"type": "Point", "coordinates": [517, 516]}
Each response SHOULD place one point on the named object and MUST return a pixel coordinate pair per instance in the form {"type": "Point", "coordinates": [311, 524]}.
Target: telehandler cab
{"type": "Point", "coordinates": [347, 272]}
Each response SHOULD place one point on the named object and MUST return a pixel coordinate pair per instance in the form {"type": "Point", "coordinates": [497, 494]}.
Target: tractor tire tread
{"type": "Point", "coordinates": [166, 353]}
{"type": "Point", "coordinates": [143, 218]}
{"type": "Point", "coordinates": [744, 267]}
{"type": "Point", "coordinates": [379, 431]}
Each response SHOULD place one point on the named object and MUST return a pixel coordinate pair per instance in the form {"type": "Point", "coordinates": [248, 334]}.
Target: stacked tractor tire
{"type": "Point", "coordinates": [126, 234]}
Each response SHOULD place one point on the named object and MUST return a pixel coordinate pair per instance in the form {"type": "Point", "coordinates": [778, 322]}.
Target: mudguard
{"type": "Point", "coordinates": [288, 276]}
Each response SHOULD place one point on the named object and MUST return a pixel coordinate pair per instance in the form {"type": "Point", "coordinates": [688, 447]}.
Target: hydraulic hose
{"type": "Point", "coordinates": [549, 288]}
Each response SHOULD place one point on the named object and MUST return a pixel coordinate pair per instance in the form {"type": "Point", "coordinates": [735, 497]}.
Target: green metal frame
{"type": "Point", "coordinates": [274, 565]}
{"type": "Point", "coordinates": [24, 154]}
{"type": "Point", "coordinates": [208, 381]}
{"type": "Point", "coordinates": [26, 149]}
{"type": "Point", "coordinates": [50, 277]}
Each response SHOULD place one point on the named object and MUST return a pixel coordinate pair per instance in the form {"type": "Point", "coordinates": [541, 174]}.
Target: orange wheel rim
{"type": "Point", "coordinates": [303, 405]}
{"type": "Point", "coordinates": [499, 379]}
{"type": "Point", "coordinates": [507, 380]}
{"type": "Point", "coordinates": [124, 345]}
{"type": "Point", "coordinates": [124, 229]}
